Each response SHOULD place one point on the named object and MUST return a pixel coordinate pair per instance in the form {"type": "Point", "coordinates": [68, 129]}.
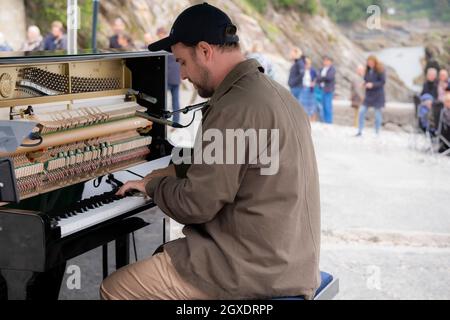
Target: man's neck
{"type": "Point", "coordinates": [232, 60]}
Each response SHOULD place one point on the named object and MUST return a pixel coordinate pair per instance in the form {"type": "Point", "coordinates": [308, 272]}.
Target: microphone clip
{"type": "Point", "coordinates": [141, 95]}
{"type": "Point", "coordinates": [158, 119]}
{"type": "Point", "coordinates": [168, 114]}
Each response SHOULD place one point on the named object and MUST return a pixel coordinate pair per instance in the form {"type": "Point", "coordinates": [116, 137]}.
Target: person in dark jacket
{"type": "Point", "coordinates": [431, 84]}
{"type": "Point", "coordinates": [296, 73]}
{"type": "Point", "coordinates": [173, 78]}
{"type": "Point", "coordinates": [327, 81]}
{"type": "Point", "coordinates": [375, 79]}
{"type": "Point", "coordinates": [118, 28]}
{"type": "Point", "coordinates": [56, 39]}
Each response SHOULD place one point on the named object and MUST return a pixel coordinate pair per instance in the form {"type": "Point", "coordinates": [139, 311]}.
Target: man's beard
{"type": "Point", "coordinates": [202, 87]}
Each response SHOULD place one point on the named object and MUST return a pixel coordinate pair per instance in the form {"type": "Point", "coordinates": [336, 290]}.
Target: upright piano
{"type": "Point", "coordinates": [67, 170]}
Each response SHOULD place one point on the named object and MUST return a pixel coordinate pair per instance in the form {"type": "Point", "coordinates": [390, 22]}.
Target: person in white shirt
{"type": "Point", "coordinates": [34, 40]}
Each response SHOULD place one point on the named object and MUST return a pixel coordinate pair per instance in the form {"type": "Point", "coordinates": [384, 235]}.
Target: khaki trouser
{"type": "Point", "coordinates": [152, 279]}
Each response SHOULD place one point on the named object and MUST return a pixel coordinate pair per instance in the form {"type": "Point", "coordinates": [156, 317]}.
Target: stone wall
{"type": "Point", "coordinates": [12, 22]}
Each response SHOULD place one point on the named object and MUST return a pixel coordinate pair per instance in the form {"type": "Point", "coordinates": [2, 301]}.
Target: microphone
{"type": "Point", "coordinates": [158, 120]}
{"type": "Point", "coordinates": [143, 96]}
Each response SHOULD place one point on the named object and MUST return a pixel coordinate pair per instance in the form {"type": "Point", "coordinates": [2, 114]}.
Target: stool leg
{"type": "Point", "coordinates": [164, 230]}
{"type": "Point", "coordinates": [122, 251]}
{"type": "Point", "coordinates": [105, 260]}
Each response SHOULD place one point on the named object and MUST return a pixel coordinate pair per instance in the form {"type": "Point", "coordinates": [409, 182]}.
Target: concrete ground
{"type": "Point", "coordinates": [90, 263]}
{"type": "Point", "coordinates": [385, 217]}
{"type": "Point", "coordinates": [385, 214]}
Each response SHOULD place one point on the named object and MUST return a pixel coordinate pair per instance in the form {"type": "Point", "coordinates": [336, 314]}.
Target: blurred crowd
{"type": "Point", "coordinates": [55, 39]}
{"type": "Point", "coordinates": [313, 87]}
{"type": "Point", "coordinates": [433, 104]}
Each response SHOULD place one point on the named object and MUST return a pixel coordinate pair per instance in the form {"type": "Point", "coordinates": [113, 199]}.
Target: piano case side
{"type": "Point", "coordinates": [22, 240]}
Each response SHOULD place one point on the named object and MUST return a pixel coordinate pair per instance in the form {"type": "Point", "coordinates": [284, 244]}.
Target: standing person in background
{"type": "Point", "coordinates": [307, 96]}
{"type": "Point", "coordinates": [296, 72]}
{"type": "Point", "coordinates": [443, 85]}
{"type": "Point", "coordinates": [357, 92]}
{"type": "Point", "coordinates": [125, 42]}
{"type": "Point", "coordinates": [148, 39]}
{"type": "Point", "coordinates": [430, 60]}
{"type": "Point", "coordinates": [265, 62]}
{"type": "Point", "coordinates": [327, 81]}
{"type": "Point", "coordinates": [431, 86]}
{"type": "Point", "coordinates": [375, 79]}
{"type": "Point", "coordinates": [173, 78]}
{"type": "Point", "coordinates": [318, 94]}
{"type": "Point", "coordinates": [118, 29]}
{"type": "Point", "coordinates": [431, 83]}
{"type": "Point", "coordinates": [445, 126]}
{"type": "Point", "coordinates": [34, 40]}
{"type": "Point", "coordinates": [56, 39]}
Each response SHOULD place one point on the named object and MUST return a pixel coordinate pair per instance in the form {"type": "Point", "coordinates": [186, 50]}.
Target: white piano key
{"type": "Point", "coordinates": [98, 215]}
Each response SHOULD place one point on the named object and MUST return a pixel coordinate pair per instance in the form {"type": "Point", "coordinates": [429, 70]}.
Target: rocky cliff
{"type": "Point", "coordinates": [277, 30]}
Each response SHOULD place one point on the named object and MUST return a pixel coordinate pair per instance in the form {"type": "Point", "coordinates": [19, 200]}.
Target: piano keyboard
{"type": "Point", "coordinates": [94, 210]}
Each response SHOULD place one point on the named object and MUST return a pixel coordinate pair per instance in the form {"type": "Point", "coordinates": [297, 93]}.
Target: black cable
{"type": "Point", "coordinates": [112, 180]}
{"type": "Point", "coordinates": [168, 114]}
{"type": "Point", "coordinates": [99, 179]}
{"type": "Point", "coordinates": [136, 174]}
{"type": "Point", "coordinates": [134, 246]}
{"type": "Point", "coordinates": [192, 121]}
{"type": "Point", "coordinates": [33, 145]}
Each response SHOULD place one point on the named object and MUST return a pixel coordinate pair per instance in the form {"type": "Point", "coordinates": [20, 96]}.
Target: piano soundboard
{"type": "Point", "coordinates": [87, 129]}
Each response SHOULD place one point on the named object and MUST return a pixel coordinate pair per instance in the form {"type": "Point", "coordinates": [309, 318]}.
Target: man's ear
{"type": "Point", "coordinates": [205, 50]}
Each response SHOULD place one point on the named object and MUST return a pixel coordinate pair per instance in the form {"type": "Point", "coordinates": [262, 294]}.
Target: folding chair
{"type": "Point", "coordinates": [416, 100]}
{"type": "Point", "coordinates": [440, 136]}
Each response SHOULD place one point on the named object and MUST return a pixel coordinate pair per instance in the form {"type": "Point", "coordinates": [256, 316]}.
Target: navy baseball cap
{"type": "Point", "coordinates": [202, 22]}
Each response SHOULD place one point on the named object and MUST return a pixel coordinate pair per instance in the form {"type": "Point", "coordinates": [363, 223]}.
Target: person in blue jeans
{"type": "Point", "coordinates": [327, 82]}
{"type": "Point", "coordinates": [374, 79]}
{"type": "Point", "coordinates": [297, 72]}
{"type": "Point", "coordinates": [173, 78]}
{"type": "Point", "coordinates": [307, 96]}
{"type": "Point", "coordinates": [318, 93]}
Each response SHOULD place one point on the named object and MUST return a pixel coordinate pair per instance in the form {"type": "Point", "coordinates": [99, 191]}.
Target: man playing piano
{"type": "Point", "coordinates": [248, 234]}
